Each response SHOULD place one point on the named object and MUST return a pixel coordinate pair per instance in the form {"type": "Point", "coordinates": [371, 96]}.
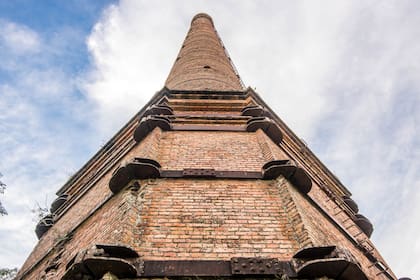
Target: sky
{"type": "Point", "coordinates": [344, 76]}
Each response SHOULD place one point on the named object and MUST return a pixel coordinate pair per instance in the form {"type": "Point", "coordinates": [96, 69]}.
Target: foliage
{"type": "Point", "coordinates": [39, 212]}
{"type": "Point", "coordinates": [2, 209]}
{"type": "Point", "coordinates": [7, 273]}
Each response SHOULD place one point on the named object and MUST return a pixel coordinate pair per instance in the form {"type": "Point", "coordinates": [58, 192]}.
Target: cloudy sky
{"type": "Point", "coordinates": [344, 75]}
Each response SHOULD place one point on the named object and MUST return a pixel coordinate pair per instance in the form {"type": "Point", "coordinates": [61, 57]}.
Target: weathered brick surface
{"type": "Point", "coordinates": [85, 204]}
{"type": "Point", "coordinates": [202, 63]}
{"type": "Point", "coordinates": [210, 149]}
{"type": "Point", "coordinates": [322, 232]}
{"type": "Point", "coordinates": [149, 147]}
{"type": "Point", "coordinates": [71, 218]}
{"type": "Point", "coordinates": [334, 210]}
{"type": "Point", "coordinates": [269, 150]}
{"type": "Point", "coordinates": [214, 219]}
{"type": "Point", "coordinates": [197, 218]}
{"type": "Point", "coordinates": [107, 226]}
{"type": "Point", "coordinates": [194, 106]}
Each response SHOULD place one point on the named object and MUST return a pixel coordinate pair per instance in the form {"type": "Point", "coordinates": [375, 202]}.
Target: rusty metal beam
{"type": "Point", "coordinates": [209, 127]}
{"type": "Point", "coordinates": [216, 174]}
{"type": "Point", "coordinates": [186, 268]}
{"type": "Point", "coordinates": [254, 267]}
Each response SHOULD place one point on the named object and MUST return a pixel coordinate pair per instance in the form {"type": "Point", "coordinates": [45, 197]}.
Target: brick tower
{"type": "Point", "coordinates": [204, 181]}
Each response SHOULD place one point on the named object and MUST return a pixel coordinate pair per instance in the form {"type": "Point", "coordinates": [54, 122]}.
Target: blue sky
{"type": "Point", "coordinates": [344, 76]}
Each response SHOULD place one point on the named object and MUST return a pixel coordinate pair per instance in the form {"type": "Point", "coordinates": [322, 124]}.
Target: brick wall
{"type": "Point", "coordinates": [198, 218]}
{"type": "Point", "coordinates": [322, 232]}
{"type": "Point", "coordinates": [214, 219]}
{"type": "Point", "coordinates": [210, 149]}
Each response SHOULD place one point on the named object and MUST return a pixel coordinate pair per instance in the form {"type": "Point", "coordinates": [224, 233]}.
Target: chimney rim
{"type": "Point", "coordinates": [202, 15]}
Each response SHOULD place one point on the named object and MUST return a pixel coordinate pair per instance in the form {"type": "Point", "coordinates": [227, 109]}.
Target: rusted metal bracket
{"type": "Point", "coordinates": [275, 168]}
{"type": "Point", "coordinates": [255, 111]}
{"type": "Point", "coordinates": [268, 126]}
{"type": "Point", "coordinates": [329, 261]}
{"type": "Point", "coordinates": [58, 202]}
{"type": "Point", "coordinates": [336, 268]}
{"type": "Point", "coordinates": [351, 203]}
{"type": "Point", "coordinates": [148, 123]}
{"type": "Point", "coordinates": [100, 259]}
{"type": "Point", "coordinates": [314, 252]}
{"type": "Point", "coordinates": [44, 225]}
{"type": "Point", "coordinates": [364, 224]}
{"type": "Point", "coordinates": [301, 179]}
{"type": "Point", "coordinates": [296, 175]}
{"type": "Point", "coordinates": [158, 109]}
{"type": "Point", "coordinates": [138, 168]}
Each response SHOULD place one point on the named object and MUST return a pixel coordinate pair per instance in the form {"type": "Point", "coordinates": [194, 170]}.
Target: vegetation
{"type": "Point", "coordinates": [2, 209]}
{"type": "Point", "coordinates": [7, 273]}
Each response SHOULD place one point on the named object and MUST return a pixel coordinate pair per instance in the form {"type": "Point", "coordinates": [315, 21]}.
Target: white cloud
{"type": "Point", "coordinates": [128, 60]}
{"type": "Point", "coordinates": [18, 38]}
{"type": "Point", "coordinates": [40, 139]}
{"type": "Point", "coordinates": [370, 136]}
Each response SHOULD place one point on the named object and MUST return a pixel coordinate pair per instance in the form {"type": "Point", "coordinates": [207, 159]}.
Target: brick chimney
{"type": "Point", "coordinates": [202, 62]}
{"type": "Point", "coordinates": [205, 181]}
